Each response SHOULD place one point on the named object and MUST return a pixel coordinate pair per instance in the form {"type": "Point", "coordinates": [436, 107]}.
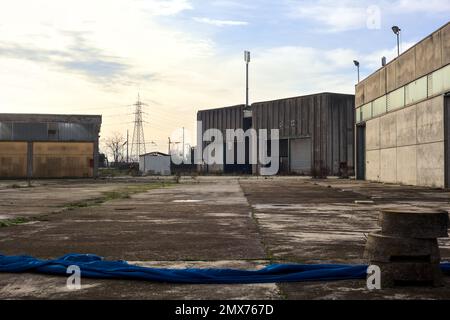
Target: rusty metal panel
{"type": "Point", "coordinates": [13, 159]}
{"type": "Point", "coordinates": [63, 159]}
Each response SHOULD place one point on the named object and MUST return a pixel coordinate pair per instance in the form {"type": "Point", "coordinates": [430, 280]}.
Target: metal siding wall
{"type": "Point", "coordinates": [328, 119]}
{"type": "Point", "coordinates": [13, 159]}
{"type": "Point", "coordinates": [62, 159]}
{"type": "Point", "coordinates": [5, 131]}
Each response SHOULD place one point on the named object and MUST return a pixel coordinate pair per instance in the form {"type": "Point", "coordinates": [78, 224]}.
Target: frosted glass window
{"type": "Point", "coordinates": [416, 90]}
{"type": "Point", "coordinates": [439, 81]}
{"type": "Point", "coordinates": [358, 115]}
{"type": "Point", "coordinates": [396, 99]}
{"type": "Point", "coordinates": [366, 111]}
{"type": "Point", "coordinates": [379, 106]}
{"type": "Point", "coordinates": [446, 76]}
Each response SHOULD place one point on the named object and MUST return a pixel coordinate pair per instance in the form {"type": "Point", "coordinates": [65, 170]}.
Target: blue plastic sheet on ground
{"type": "Point", "coordinates": [93, 266]}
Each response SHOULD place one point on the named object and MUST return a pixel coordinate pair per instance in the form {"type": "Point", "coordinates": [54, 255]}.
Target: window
{"type": "Point", "coordinates": [439, 81]}
{"type": "Point", "coordinates": [396, 99]}
{"type": "Point", "coordinates": [366, 111]}
{"type": "Point", "coordinates": [379, 106]}
{"type": "Point", "coordinates": [416, 91]}
{"type": "Point", "coordinates": [358, 117]}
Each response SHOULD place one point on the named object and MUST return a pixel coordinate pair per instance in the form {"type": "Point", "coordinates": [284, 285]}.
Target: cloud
{"type": "Point", "coordinates": [425, 6]}
{"type": "Point", "coordinates": [333, 16]}
{"type": "Point", "coordinates": [166, 7]}
{"type": "Point", "coordinates": [79, 57]}
{"type": "Point", "coordinates": [220, 23]}
{"type": "Point", "coordinates": [339, 16]}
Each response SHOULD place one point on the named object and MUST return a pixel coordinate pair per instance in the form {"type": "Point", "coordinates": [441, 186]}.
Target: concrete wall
{"type": "Point", "coordinates": [407, 146]}
{"type": "Point", "coordinates": [428, 55]}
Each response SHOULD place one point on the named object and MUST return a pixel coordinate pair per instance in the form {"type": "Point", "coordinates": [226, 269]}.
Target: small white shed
{"type": "Point", "coordinates": [155, 163]}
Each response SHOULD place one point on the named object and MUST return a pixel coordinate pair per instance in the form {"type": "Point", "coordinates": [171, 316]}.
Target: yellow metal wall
{"type": "Point", "coordinates": [13, 159]}
{"type": "Point", "coordinates": [63, 159]}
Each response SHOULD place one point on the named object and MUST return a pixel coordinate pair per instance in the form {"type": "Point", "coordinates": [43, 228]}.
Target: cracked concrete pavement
{"type": "Point", "coordinates": [236, 222]}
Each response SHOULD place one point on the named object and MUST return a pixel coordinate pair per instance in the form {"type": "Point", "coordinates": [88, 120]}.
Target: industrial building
{"type": "Point", "coordinates": [155, 163]}
{"type": "Point", "coordinates": [402, 117]}
{"type": "Point", "coordinates": [49, 146]}
{"type": "Point", "coordinates": [316, 132]}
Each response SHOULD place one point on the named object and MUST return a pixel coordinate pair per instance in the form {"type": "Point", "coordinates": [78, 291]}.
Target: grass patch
{"type": "Point", "coordinates": [122, 193]}
{"type": "Point", "coordinates": [14, 221]}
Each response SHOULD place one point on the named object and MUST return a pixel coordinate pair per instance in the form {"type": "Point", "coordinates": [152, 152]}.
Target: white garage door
{"type": "Point", "coordinates": [300, 150]}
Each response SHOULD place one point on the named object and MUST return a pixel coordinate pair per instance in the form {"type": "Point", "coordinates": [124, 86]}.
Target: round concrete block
{"type": "Point", "coordinates": [383, 248]}
{"type": "Point", "coordinates": [414, 223]}
{"type": "Point", "coordinates": [409, 274]}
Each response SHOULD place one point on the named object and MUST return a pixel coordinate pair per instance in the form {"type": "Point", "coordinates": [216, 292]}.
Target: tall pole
{"type": "Point", "coordinates": [358, 73]}
{"type": "Point", "coordinates": [397, 31]}
{"type": "Point", "coordinates": [183, 144]}
{"type": "Point", "coordinates": [247, 61]}
{"type": "Point", "coordinates": [169, 146]}
{"type": "Point", "coordinates": [127, 148]}
{"type": "Point", "coordinates": [246, 84]}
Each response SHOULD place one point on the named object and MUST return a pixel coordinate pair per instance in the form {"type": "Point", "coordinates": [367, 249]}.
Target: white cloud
{"type": "Point", "coordinates": [332, 16]}
{"type": "Point", "coordinates": [425, 6]}
{"type": "Point", "coordinates": [338, 16]}
{"type": "Point", "coordinates": [220, 23]}
{"type": "Point", "coordinates": [167, 7]}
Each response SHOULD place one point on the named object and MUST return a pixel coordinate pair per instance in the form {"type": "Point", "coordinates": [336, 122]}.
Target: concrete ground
{"type": "Point", "coordinates": [245, 222]}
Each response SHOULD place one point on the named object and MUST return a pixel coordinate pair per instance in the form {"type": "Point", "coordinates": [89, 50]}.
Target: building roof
{"type": "Point", "coordinates": [155, 154]}
{"type": "Point", "coordinates": [33, 117]}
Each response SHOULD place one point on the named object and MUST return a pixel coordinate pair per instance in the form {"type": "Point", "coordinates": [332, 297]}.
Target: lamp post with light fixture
{"type": "Point", "coordinates": [356, 62]}
{"type": "Point", "coordinates": [397, 31]}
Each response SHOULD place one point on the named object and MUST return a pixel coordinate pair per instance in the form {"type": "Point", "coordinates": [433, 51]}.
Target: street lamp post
{"type": "Point", "coordinates": [397, 31]}
{"type": "Point", "coordinates": [247, 61]}
{"type": "Point", "coordinates": [356, 62]}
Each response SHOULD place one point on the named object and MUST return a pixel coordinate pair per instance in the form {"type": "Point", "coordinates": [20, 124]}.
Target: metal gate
{"type": "Point", "coordinates": [300, 156]}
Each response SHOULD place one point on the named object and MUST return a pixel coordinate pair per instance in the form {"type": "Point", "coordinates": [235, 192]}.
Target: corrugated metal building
{"type": "Point", "coordinates": [316, 131]}
{"type": "Point", "coordinates": [223, 119]}
{"type": "Point", "coordinates": [48, 146]}
{"type": "Point", "coordinates": [403, 117]}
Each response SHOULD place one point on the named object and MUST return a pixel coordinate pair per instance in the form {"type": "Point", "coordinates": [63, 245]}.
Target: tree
{"type": "Point", "coordinates": [115, 146]}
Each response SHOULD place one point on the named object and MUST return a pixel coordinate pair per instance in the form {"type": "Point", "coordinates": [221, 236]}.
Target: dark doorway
{"type": "Point", "coordinates": [447, 139]}
{"type": "Point", "coordinates": [361, 152]}
{"type": "Point", "coordinates": [236, 168]}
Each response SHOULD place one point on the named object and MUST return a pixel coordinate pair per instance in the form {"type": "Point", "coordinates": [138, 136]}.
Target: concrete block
{"type": "Point", "coordinates": [383, 82]}
{"type": "Point", "coordinates": [407, 274]}
{"type": "Point", "coordinates": [445, 38]}
{"type": "Point", "coordinates": [430, 164]}
{"type": "Point", "coordinates": [388, 165]}
{"type": "Point", "coordinates": [417, 223]}
{"type": "Point", "coordinates": [406, 68]}
{"type": "Point", "coordinates": [384, 248]}
{"type": "Point", "coordinates": [428, 55]}
{"type": "Point", "coordinates": [407, 165]}
{"type": "Point", "coordinates": [373, 134]}
{"type": "Point", "coordinates": [406, 126]}
{"type": "Point", "coordinates": [372, 87]}
{"type": "Point", "coordinates": [359, 94]}
{"type": "Point", "coordinates": [373, 165]}
{"type": "Point", "coordinates": [388, 131]}
{"type": "Point", "coordinates": [430, 120]}
{"type": "Point", "coordinates": [391, 76]}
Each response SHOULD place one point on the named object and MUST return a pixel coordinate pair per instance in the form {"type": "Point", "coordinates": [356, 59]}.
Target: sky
{"type": "Point", "coordinates": [181, 56]}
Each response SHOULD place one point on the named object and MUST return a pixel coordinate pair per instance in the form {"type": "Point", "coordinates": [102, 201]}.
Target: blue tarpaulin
{"type": "Point", "coordinates": [93, 266]}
